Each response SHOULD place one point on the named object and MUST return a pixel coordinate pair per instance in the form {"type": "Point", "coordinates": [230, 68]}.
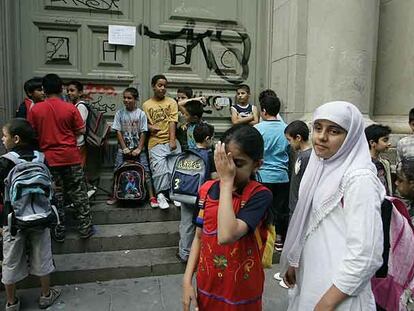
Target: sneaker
{"type": "Point", "coordinates": [91, 192]}
{"type": "Point", "coordinates": [154, 202]}
{"type": "Point", "coordinates": [278, 247]}
{"type": "Point", "coordinates": [58, 233]}
{"type": "Point", "coordinates": [283, 284]}
{"type": "Point", "coordinates": [14, 307]}
{"type": "Point", "coordinates": [162, 201]}
{"type": "Point", "coordinates": [277, 277]}
{"type": "Point", "coordinates": [176, 203]}
{"type": "Point", "coordinates": [47, 301]}
{"type": "Point", "coordinates": [86, 234]}
{"type": "Point", "coordinates": [111, 201]}
{"type": "Point", "coordinates": [180, 259]}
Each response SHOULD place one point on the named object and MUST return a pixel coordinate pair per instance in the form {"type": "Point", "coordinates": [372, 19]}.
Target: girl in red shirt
{"type": "Point", "coordinates": [225, 250]}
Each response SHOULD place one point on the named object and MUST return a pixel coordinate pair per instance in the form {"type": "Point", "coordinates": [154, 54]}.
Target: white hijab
{"type": "Point", "coordinates": [324, 176]}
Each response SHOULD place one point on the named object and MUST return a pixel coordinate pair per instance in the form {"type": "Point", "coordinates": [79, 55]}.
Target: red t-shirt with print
{"type": "Point", "coordinates": [56, 123]}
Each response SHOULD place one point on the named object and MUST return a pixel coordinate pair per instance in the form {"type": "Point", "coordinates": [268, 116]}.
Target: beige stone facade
{"type": "Point", "coordinates": [309, 52]}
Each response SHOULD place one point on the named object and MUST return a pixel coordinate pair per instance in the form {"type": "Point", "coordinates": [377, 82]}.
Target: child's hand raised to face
{"type": "Point", "coordinates": [225, 167]}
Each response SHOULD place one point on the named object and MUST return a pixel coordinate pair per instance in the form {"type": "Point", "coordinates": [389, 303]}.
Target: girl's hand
{"type": "Point", "coordinates": [225, 167]}
{"type": "Point", "coordinates": [290, 277]}
{"type": "Point", "coordinates": [189, 295]}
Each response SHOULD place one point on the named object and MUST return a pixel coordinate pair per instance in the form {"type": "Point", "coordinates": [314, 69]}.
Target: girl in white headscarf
{"type": "Point", "coordinates": [335, 240]}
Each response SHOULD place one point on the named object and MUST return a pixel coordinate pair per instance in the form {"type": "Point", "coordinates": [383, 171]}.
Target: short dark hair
{"type": "Point", "coordinates": [243, 87]}
{"type": "Point", "coordinates": [133, 91]}
{"type": "Point", "coordinates": [52, 84]}
{"type": "Point", "coordinates": [411, 115]}
{"type": "Point", "coordinates": [77, 84]}
{"type": "Point", "coordinates": [188, 91]}
{"type": "Point", "coordinates": [376, 131]}
{"type": "Point", "coordinates": [31, 85]}
{"type": "Point", "coordinates": [156, 78]}
{"type": "Point", "coordinates": [194, 108]}
{"type": "Point", "coordinates": [271, 104]}
{"type": "Point", "coordinates": [247, 138]}
{"type": "Point", "coordinates": [203, 130]}
{"type": "Point", "coordinates": [265, 93]}
{"type": "Point", "coordinates": [296, 128]}
{"type": "Point", "coordinates": [24, 130]}
{"type": "Point", "coordinates": [407, 167]}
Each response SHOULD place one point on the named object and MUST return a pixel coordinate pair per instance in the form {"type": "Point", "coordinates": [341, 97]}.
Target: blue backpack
{"type": "Point", "coordinates": [28, 193]}
{"type": "Point", "coordinates": [191, 170]}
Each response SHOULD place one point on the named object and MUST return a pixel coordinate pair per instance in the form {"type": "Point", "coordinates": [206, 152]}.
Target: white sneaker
{"type": "Point", "coordinates": [176, 203]}
{"type": "Point", "coordinates": [162, 201]}
{"type": "Point", "coordinates": [91, 192]}
{"type": "Point", "coordinates": [283, 284]}
{"type": "Point", "coordinates": [277, 277]}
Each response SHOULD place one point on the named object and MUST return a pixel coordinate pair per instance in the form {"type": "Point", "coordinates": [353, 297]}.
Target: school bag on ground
{"type": "Point", "coordinates": [97, 128]}
{"type": "Point", "coordinates": [28, 194]}
{"type": "Point", "coordinates": [191, 170]}
{"type": "Point", "coordinates": [265, 234]}
{"type": "Point", "coordinates": [129, 182]}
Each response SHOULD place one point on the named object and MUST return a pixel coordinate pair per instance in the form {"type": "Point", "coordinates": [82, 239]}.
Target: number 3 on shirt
{"type": "Point", "coordinates": [176, 183]}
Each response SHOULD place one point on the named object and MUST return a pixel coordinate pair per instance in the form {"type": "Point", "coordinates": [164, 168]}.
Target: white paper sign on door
{"type": "Point", "coordinates": [122, 35]}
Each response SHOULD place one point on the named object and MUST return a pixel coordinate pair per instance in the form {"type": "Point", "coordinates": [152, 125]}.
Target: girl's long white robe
{"type": "Point", "coordinates": [344, 249]}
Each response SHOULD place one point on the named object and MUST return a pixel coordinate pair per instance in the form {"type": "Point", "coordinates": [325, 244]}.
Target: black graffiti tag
{"type": "Point", "coordinates": [194, 39]}
{"type": "Point", "coordinates": [93, 4]}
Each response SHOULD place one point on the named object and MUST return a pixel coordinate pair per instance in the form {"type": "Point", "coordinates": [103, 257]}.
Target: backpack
{"type": "Point", "coordinates": [191, 170]}
{"type": "Point", "coordinates": [264, 233]}
{"type": "Point", "coordinates": [97, 128]}
{"type": "Point", "coordinates": [129, 183]}
{"type": "Point", "coordinates": [28, 193]}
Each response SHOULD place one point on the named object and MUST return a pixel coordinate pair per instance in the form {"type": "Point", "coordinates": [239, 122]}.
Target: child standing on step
{"type": "Point", "coordinates": [19, 136]}
{"type": "Point", "coordinates": [224, 251]}
{"type": "Point", "coordinates": [130, 124]}
{"type": "Point", "coordinates": [203, 135]}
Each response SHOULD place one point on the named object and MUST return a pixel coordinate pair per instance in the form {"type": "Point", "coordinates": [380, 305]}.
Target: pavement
{"type": "Point", "coordinates": [148, 293]}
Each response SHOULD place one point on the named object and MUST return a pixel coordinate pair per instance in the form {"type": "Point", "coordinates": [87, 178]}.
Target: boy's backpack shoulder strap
{"type": "Point", "coordinates": [14, 157]}
{"type": "Point", "coordinates": [83, 103]}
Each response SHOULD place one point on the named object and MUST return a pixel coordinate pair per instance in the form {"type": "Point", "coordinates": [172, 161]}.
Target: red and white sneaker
{"type": "Point", "coordinates": [154, 202]}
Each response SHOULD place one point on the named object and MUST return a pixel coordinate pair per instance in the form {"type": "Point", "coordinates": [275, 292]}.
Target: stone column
{"type": "Point", "coordinates": [394, 95]}
{"type": "Point", "coordinates": [341, 53]}
{"type": "Point", "coordinates": [10, 85]}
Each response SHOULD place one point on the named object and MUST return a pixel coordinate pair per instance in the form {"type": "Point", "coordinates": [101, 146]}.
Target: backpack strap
{"type": "Point", "coordinates": [14, 157]}
{"type": "Point", "coordinates": [265, 239]}
{"type": "Point", "coordinates": [251, 189]}
{"type": "Point", "coordinates": [204, 190]}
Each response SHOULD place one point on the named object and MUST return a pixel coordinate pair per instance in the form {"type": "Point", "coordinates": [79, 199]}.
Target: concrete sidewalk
{"type": "Point", "coordinates": [149, 294]}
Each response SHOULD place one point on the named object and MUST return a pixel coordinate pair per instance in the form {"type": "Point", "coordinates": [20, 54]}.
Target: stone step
{"type": "Point", "coordinates": [104, 266]}
{"type": "Point", "coordinates": [116, 237]}
{"type": "Point", "coordinates": [128, 213]}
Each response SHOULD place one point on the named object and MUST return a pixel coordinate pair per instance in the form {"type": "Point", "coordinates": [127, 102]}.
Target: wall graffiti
{"type": "Point", "coordinates": [105, 5]}
{"type": "Point", "coordinates": [101, 105]}
{"type": "Point", "coordinates": [103, 97]}
{"type": "Point", "coordinates": [181, 54]}
{"type": "Point", "coordinates": [57, 49]}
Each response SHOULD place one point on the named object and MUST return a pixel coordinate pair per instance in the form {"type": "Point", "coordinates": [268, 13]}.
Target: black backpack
{"type": "Point", "coordinates": [191, 170]}
{"type": "Point", "coordinates": [97, 128]}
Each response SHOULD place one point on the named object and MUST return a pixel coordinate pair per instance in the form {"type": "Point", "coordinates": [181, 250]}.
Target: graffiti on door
{"type": "Point", "coordinates": [182, 54]}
